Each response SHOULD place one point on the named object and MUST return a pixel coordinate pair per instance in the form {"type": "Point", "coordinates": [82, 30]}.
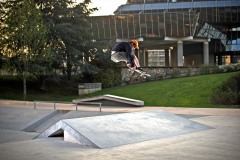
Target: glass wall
{"type": "Point", "coordinates": [217, 20]}
{"type": "Point", "coordinates": [170, 24]}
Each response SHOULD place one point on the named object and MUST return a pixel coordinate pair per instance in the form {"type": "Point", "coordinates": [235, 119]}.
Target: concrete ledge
{"type": "Point", "coordinates": [112, 100]}
{"type": "Point", "coordinates": [86, 88]}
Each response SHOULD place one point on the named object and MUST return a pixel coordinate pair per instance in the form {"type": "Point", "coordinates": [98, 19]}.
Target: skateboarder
{"type": "Point", "coordinates": [124, 51]}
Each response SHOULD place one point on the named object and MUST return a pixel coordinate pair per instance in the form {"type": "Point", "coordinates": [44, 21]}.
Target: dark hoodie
{"type": "Point", "coordinates": [125, 47]}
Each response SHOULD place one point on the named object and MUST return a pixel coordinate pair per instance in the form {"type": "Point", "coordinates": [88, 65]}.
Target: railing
{"type": "Point", "coordinates": [91, 103]}
{"type": "Point", "coordinates": [61, 102]}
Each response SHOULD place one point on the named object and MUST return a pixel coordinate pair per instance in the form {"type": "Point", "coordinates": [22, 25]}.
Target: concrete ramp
{"type": "Point", "coordinates": [22, 119]}
{"type": "Point", "coordinates": [112, 100]}
{"type": "Point", "coordinates": [121, 129]}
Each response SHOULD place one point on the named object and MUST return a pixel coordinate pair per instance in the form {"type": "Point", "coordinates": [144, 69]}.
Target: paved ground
{"type": "Point", "coordinates": [220, 143]}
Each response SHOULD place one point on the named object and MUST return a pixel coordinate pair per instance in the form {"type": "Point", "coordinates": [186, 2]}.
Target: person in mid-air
{"type": "Point", "coordinates": [124, 51]}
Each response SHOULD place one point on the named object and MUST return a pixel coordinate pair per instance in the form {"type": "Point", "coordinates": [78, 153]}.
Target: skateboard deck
{"type": "Point", "coordinates": [141, 73]}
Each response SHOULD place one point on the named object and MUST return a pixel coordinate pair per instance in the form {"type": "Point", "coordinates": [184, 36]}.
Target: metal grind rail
{"type": "Point", "coordinates": [61, 102]}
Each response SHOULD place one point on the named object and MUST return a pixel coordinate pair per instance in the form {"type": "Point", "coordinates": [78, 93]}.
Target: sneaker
{"type": "Point", "coordinates": [140, 69]}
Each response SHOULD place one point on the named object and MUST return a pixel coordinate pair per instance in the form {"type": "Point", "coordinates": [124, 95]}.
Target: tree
{"type": "Point", "coordinates": [70, 32]}
{"type": "Point", "coordinates": [103, 69]}
{"type": "Point", "coordinates": [23, 35]}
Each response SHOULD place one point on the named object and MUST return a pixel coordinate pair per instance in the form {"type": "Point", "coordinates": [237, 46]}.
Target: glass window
{"type": "Point", "coordinates": [156, 58]}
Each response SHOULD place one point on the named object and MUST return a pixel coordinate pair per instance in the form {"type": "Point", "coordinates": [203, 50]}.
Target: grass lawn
{"type": "Point", "coordinates": [180, 92]}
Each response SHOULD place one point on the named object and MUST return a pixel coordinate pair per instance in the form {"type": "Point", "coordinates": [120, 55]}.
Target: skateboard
{"type": "Point", "coordinates": [142, 74]}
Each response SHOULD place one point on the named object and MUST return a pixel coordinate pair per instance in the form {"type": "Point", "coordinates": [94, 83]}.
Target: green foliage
{"type": "Point", "coordinates": [189, 71]}
{"type": "Point", "coordinates": [208, 69]}
{"type": "Point", "coordinates": [229, 68]}
{"type": "Point", "coordinates": [23, 31]}
{"type": "Point", "coordinates": [229, 92]}
{"type": "Point", "coordinates": [23, 34]}
{"type": "Point", "coordinates": [193, 91]}
{"type": "Point", "coordinates": [109, 73]}
{"type": "Point", "coordinates": [42, 38]}
{"type": "Point", "coordinates": [11, 88]}
{"type": "Point", "coordinates": [175, 73]}
{"type": "Point", "coordinates": [70, 34]}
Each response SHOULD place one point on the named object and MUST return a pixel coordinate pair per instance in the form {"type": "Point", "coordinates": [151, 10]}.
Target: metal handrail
{"type": "Point", "coordinates": [97, 103]}
{"type": "Point", "coordinates": [54, 104]}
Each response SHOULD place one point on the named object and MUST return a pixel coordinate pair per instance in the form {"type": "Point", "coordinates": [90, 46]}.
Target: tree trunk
{"type": "Point", "coordinates": [24, 87]}
{"type": "Point", "coordinates": [42, 81]}
{"type": "Point", "coordinates": [69, 71]}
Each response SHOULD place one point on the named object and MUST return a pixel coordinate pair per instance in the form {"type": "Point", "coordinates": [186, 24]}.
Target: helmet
{"type": "Point", "coordinates": [135, 43]}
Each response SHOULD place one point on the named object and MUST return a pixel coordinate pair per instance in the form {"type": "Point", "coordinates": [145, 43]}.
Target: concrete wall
{"type": "Point", "coordinates": [86, 88]}
{"type": "Point", "coordinates": [158, 73]}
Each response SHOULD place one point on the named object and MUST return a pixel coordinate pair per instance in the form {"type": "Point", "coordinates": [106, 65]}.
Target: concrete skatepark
{"type": "Point", "coordinates": [200, 133]}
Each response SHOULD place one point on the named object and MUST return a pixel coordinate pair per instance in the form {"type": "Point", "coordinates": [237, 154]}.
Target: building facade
{"type": "Point", "coordinates": [175, 33]}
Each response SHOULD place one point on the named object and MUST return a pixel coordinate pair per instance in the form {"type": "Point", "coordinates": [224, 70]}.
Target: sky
{"type": "Point", "coordinates": [106, 7]}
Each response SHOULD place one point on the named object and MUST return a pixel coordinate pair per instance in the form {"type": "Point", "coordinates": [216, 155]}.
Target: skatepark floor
{"type": "Point", "coordinates": [219, 143]}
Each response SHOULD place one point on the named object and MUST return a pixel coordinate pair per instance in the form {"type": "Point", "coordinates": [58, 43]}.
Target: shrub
{"type": "Point", "coordinates": [175, 73]}
{"type": "Point", "coordinates": [208, 69]}
{"type": "Point", "coordinates": [229, 68]}
{"type": "Point", "coordinates": [109, 73]}
{"type": "Point", "coordinates": [228, 93]}
{"type": "Point", "coordinates": [189, 71]}
{"type": "Point", "coordinates": [109, 77]}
